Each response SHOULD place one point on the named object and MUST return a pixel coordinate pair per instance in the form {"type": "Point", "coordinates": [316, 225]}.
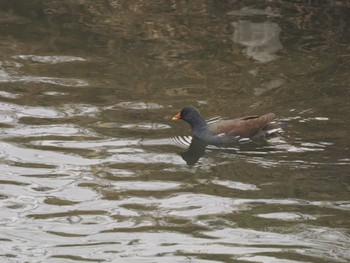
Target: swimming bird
{"type": "Point", "coordinates": [228, 131]}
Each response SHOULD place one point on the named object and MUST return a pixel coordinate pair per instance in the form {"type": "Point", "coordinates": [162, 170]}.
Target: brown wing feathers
{"type": "Point", "coordinates": [250, 127]}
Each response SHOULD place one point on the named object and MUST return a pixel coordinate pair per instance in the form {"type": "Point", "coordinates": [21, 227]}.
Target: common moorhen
{"type": "Point", "coordinates": [227, 131]}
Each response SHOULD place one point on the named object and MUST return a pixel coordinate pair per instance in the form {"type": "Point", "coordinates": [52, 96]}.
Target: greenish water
{"type": "Point", "coordinates": [93, 169]}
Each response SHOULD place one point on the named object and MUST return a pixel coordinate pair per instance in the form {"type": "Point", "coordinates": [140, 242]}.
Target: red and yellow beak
{"type": "Point", "coordinates": [176, 117]}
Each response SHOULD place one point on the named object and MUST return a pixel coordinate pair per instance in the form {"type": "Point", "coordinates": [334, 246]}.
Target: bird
{"type": "Point", "coordinates": [228, 131]}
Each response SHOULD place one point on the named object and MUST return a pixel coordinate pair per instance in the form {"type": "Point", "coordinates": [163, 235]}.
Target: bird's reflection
{"type": "Point", "coordinates": [197, 148]}
{"type": "Point", "coordinates": [195, 151]}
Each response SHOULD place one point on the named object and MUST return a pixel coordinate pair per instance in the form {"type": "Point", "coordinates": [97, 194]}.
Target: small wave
{"type": "Point", "coordinates": [49, 59]}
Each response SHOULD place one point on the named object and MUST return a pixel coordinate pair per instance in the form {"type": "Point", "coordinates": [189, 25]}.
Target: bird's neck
{"type": "Point", "coordinates": [198, 124]}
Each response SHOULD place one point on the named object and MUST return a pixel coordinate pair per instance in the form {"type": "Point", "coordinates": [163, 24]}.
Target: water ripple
{"type": "Point", "coordinates": [49, 59]}
{"type": "Point", "coordinates": [11, 76]}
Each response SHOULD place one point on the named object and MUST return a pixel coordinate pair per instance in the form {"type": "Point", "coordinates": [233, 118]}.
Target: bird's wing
{"type": "Point", "coordinates": [246, 127]}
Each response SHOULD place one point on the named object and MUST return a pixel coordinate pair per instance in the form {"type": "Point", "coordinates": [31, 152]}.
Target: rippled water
{"type": "Point", "coordinates": [94, 170]}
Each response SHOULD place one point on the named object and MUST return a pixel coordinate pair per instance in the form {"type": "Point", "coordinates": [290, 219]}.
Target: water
{"type": "Point", "coordinates": [94, 170]}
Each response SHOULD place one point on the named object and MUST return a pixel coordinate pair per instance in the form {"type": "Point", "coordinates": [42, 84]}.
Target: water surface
{"type": "Point", "coordinates": [94, 170]}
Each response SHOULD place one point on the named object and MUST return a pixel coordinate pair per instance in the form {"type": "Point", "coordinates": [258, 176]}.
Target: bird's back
{"type": "Point", "coordinates": [246, 127]}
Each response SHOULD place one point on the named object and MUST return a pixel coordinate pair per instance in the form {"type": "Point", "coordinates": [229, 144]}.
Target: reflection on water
{"type": "Point", "coordinates": [261, 39]}
{"type": "Point", "coordinates": [93, 169]}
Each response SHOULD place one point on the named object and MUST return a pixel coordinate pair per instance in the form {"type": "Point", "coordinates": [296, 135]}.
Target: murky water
{"type": "Point", "coordinates": [94, 170]}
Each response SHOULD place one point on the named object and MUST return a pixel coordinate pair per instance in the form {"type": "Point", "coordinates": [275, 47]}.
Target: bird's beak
{"type": "Point", "coordinates": [176, 117]}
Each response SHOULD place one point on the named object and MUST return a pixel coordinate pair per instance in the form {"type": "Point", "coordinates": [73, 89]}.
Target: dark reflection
{"type": "Point", "coordinates": [197, 148]}
{"type": "Point", "coordinates": [195, 151]}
